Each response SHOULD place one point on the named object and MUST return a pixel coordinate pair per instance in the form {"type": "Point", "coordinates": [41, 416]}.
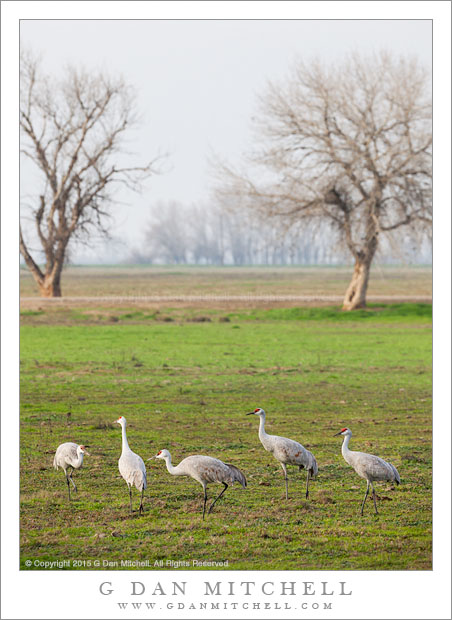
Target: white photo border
{"type": "Point", "coordinates": [376, 594]}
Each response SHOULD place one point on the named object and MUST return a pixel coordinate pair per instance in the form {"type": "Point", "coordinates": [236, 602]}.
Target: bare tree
{"type": "Point", "coordinates": [167, 234]}
{"type": "Point", "coordinates": [349, 145]}
{"type": "Point", "coordinates": [72, 130]}
{"type": "Point", "coordinates": [207, 243]}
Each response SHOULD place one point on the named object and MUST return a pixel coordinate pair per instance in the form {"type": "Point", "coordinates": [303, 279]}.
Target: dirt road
{"type": "Point", "coordinates": [209, 301]}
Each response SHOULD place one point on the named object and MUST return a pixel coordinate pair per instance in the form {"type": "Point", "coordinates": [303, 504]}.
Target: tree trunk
{"type": "Point", "coordinates": [50, 286]}
{"type": "Point", "coordinates": [355, 297]}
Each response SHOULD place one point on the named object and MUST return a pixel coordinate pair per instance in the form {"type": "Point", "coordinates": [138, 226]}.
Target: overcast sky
{"type": "Point", "coordinates": [197, 83]}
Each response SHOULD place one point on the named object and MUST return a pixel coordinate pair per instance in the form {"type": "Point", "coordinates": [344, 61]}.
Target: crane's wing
{"type": "Point", "coordinates": [237, 475]}
{"type": "Point", "coordinates": [140, 479]}
{"type": "Point", "coordinates": [133, 470]}
{"type": "Point", "coordinates": [396, 473]}
{"type": "Point", "coordinates": [66, 454]}
{"type": "Point", "coordinates": [372, 466]}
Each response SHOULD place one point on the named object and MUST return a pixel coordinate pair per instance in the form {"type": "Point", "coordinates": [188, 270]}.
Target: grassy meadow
{"type": "Point", "coordinates": [184, 379]}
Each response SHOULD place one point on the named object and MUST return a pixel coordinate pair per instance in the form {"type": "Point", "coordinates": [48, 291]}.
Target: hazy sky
{"type": "Point", "coordinates": [197, 83]}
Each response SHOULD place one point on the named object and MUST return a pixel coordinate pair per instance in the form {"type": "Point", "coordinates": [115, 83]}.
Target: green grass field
{"type": "Point", "coordinates": [184, 381]}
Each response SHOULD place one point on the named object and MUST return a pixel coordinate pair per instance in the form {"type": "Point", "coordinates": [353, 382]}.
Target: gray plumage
{"type": "Point", "coordinates": [69, 455]}
{"type": "Point", "coordinates": [131, 466]}
{"type": "Point", "coordinates": [204, 469]}
{"type": "Point", "coordinates": [368, 466]}
{"type": "Point", "coordinates": [287, 452]}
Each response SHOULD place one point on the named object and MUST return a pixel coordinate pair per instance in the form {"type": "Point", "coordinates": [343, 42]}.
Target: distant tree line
{"type": "Point", "coordinates": [218, 234]}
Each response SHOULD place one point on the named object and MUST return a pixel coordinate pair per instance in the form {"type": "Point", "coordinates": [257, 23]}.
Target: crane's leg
{"type": "Point", "coordinates": [205, 500]}
{"type": "Point", "coordinates": [141, 503]}
{"type": "Point", "coordinates": [73, 483]}
{"type": "Point", "coordinates": [68, 485]}
{"type": "Point", "coordinates": [130, 496]}
{"type": "Point", "coordinates": [307, 483]}
{"type": "Point", "coordinates": [374, 495]}
{"type": "Point", "coordinates": [283, 465]}
{"type": "Point", "coordinates": [365, 497]}
{"type": "Point", "coordinates": [215, 501]}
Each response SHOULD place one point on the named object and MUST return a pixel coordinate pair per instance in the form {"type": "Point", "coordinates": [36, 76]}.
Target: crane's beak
{"type": "Point", "coordinates": [150, 458]}
{"type": "Point", "coordinates": [339, 433]}
{"type": "Point", "coordinates": [250, 413]}
{"type": "Point", "coordinates": [87, 453]}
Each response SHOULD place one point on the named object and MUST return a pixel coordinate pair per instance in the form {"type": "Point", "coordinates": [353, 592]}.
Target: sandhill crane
{"type": "Point", "coordinates": [204, 469]}
{"type": "Point", "coordinates": [131, 466]}
{"type": "Point", "coordinates": [69, 455]}
{"type": "Point", "coordinates": [367, 466]}
{"type": "Point", "coordinates": [287, 452]}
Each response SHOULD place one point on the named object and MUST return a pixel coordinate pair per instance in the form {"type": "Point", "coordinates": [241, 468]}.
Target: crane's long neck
{"type": "Point", "coordinates": [170, 467]}
{"type": "Point", "coordinates": [262, 433]}
{"type": "Point", "coordinates": [345, 451]}
{"type": "Point", "coordinates": [79, 461]}
{"type": "Point", "coordinates": [125, 443]}
{"type": "Point", "coordinates": [263, 436]}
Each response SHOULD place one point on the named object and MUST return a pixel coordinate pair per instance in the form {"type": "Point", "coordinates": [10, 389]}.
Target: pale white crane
{"type": "Point", "coordinates": [367, 466]}
{"type": "Point", "coordinates": [204, 469]}
{"type": "Point", "coordinates": [131, 466]}
{"type": "Point", "coordinates": [287, 452]}
{"type": "Point", "coordinates": [69, 455]}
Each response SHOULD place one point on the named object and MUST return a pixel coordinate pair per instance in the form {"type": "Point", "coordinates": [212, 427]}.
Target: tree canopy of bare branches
{"type": "Point", "coordinates": [347, 144]}
{"type": "Point", "coordinates": [72, 130]}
